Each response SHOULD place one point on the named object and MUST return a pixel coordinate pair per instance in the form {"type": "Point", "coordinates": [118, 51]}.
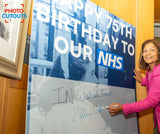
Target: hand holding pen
{"type": "Point", "coordinates": [115, 108]}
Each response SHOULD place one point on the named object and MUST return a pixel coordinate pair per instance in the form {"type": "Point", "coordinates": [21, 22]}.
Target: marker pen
{"type": "Point", "coordinates": [112, 106]}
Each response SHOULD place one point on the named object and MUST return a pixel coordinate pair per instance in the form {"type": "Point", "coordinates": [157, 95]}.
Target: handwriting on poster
{"type": "Point", "coordinates": [81, 106]}
{"type": "Point", "coordinates": [82, 112]}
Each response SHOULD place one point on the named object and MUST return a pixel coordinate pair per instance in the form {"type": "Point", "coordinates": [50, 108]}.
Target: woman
{"type": "Point", "coordinates": [150, 61]}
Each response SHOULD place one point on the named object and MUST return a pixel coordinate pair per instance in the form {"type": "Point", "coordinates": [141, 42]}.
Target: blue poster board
{"type": "Point", "coordinates": [81, 59]}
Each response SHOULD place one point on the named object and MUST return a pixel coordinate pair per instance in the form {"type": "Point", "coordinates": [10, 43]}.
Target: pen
{"type": "Point", "coordinates": [112, 106]}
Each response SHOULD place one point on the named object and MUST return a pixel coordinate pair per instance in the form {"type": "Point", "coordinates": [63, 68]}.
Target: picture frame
{"type": "Point", "coordinates": [13, 33]}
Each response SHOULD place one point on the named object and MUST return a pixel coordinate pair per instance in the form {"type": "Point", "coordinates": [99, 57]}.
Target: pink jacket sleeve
{"type": "Point", "coordinates": [143, 83]}
{"type": "Point", "coordinates": [151, 100]}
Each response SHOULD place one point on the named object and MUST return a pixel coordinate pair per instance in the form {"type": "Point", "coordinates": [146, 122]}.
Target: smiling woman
{"type": "Point", "coordinates": [149, 60]}
{"type": "Point", "coordinates": [150, 54]}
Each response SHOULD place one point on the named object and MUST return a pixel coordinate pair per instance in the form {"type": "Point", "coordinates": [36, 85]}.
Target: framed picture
{"type": "Point", "coordinates": [14, 18]}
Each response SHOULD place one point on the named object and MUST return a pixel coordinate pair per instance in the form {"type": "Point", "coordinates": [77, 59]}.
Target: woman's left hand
{"type": "Point", "coordinates": [113, 110]}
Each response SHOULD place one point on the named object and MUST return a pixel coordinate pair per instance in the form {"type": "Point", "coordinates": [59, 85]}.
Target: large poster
{"type": "Point", "coordinates": [81, 59]}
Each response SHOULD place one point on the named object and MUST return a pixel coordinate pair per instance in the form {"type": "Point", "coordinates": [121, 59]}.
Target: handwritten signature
{"type": "Point", "coordinates": [83, 112]}
{"type": "Point", "coordinates": [82, 96]}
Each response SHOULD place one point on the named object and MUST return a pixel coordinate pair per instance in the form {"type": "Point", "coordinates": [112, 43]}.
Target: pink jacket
{"type": "Point", "coordinates": [153, 97]}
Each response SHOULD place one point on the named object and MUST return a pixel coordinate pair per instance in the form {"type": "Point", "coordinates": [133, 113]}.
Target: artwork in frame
{"type": "Point", "coordinates": [14, 18]}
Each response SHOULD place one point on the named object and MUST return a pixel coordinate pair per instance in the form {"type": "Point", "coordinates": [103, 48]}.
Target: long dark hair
{"type": "Point", "coordinates": [142, 63]}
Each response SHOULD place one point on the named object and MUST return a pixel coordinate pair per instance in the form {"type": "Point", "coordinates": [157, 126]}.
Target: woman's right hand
{"type": "Point", "coordinates": [113, 110]}
{"type": "Point", "coordinates": [137, 76]}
